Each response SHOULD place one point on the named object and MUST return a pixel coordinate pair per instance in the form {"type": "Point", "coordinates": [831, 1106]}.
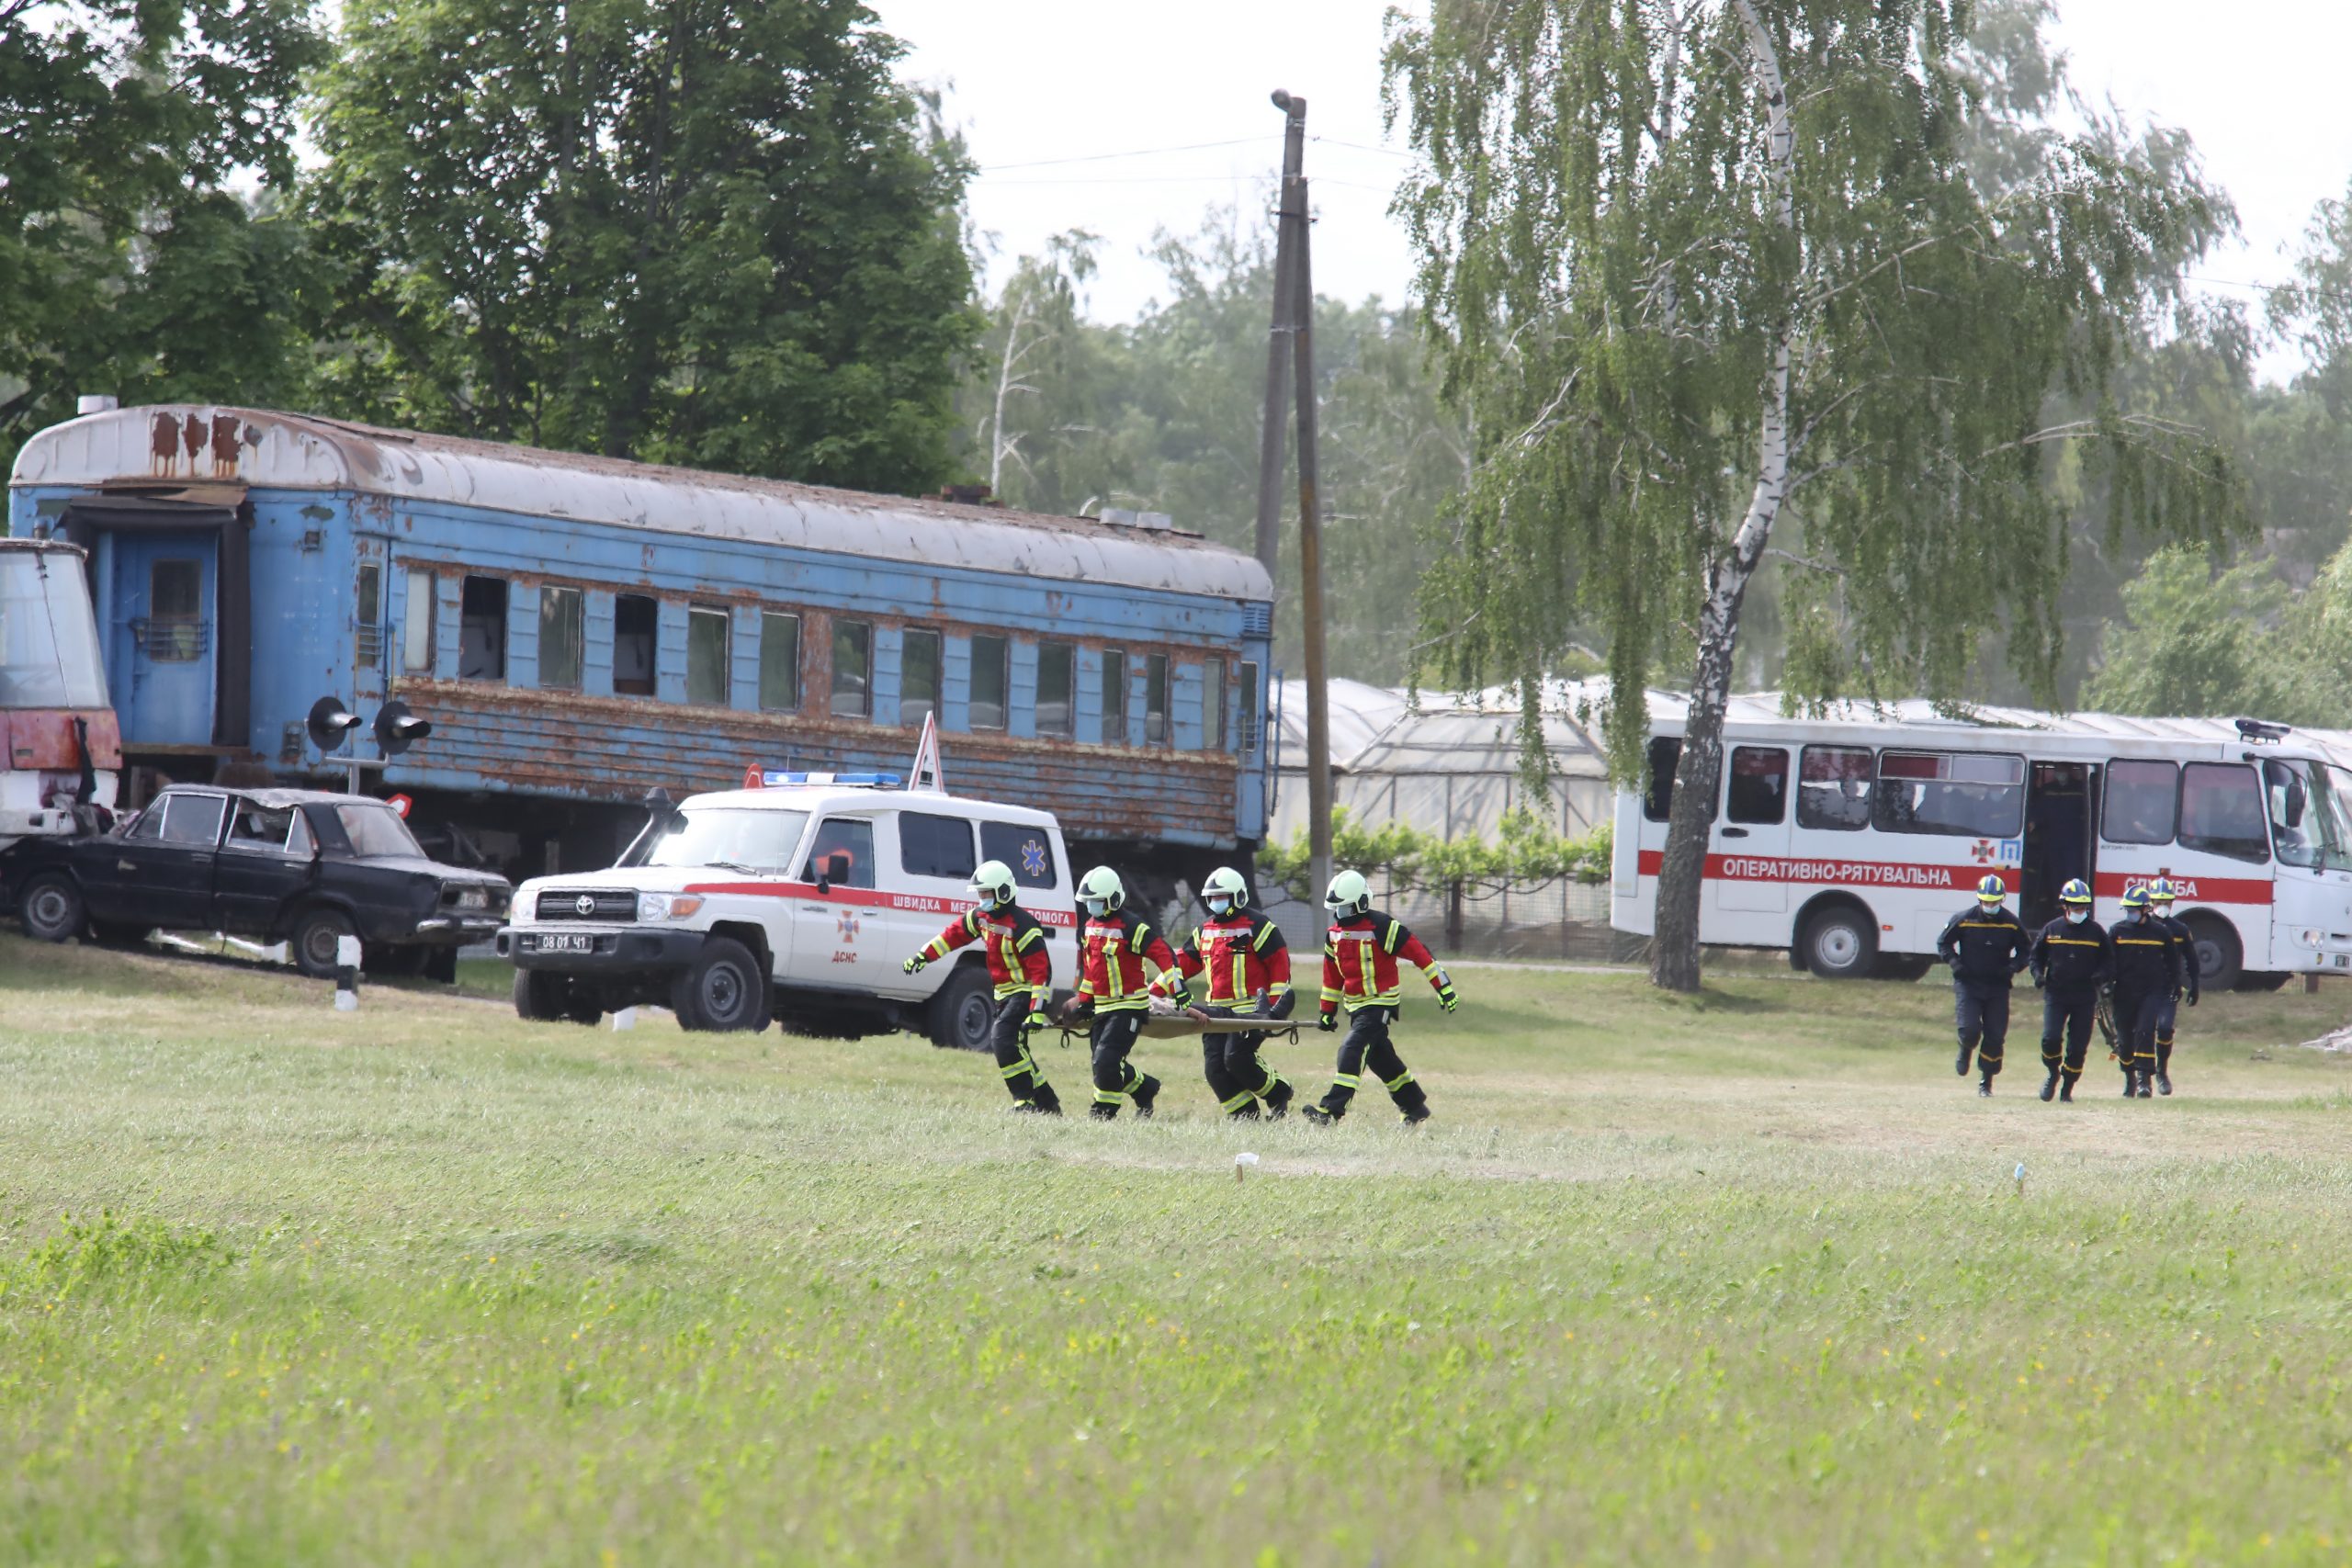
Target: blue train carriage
{"type": "Point", "coordinates": [581, 630]}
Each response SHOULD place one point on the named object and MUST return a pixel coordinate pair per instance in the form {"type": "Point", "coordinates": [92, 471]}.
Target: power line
{"type": "Point", "coordinates": [1360, 146]}
{"type": "Point", "coordinates": [1137, 152]}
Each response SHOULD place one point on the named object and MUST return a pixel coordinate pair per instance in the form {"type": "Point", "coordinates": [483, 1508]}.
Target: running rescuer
{"type": "Point", "coordinates": [1360, 971]}
{"type": "Point", "coordinates": [1016, 946]}
{"type": "Point", "coordinates": [1986, 946]}
{"type": "Point", "coordinates": [2072, 960]}
{"type": "Point", "coordinates": [1114, 983]}
{"type": "Point", "coordinates": [2147, 973]}
{"type": "Point", "coordinates": [2161, 893]}
{"type": "Point", "coordinates": [1246, 959]}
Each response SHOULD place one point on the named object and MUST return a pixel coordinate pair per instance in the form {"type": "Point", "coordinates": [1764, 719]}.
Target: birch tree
{"type": "Point", "coordinates": [1716, 283]}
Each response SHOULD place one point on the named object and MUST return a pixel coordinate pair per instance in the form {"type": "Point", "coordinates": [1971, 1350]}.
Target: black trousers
{"type": "Point", "coordinates": [1368, 1045]}
{"type": "Point", "coordinates": [1237, 1075]}
{"type": "Point", "coordinates": [1010, 1043]}
{"type": "Point", "coordinates": [1116, 1078]}
{"type": "Point", "coordinates": [2067, 1017]}
{"type": "Point", "coordinates": [2135, 1027]}
{"type": "Point", "coordinates": [2167, 1014]}
{"type": "Point", "coordinates": [1980, 1011]}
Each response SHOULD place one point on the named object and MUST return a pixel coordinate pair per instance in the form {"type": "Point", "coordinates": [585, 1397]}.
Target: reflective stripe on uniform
{"type": "Point", "coordinates": [1345, 1080]}
{"type": "Point", "coordinates": [1236, 1102]}
{"type": "Point", "coordinates": [1400, 1080]}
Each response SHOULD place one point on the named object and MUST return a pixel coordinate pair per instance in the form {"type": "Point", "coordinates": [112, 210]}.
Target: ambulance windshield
{"type": "Point", "coordinates": [735, 837]}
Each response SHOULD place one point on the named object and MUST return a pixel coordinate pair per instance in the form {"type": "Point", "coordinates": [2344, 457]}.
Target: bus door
{"type": "Point", "coordinates": [2060, 809]}
{"type": "Point", "coordinates": [1752, 835]}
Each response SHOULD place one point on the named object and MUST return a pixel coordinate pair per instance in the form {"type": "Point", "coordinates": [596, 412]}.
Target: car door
{"type": "Point", "coordinates": [933, 884]}
{"type": "Point", "coordinates": [266, 862]}
{"type": "Point", "coordinates": [161, 873]}
{"type": "Point", "coordinates": [838, 939]}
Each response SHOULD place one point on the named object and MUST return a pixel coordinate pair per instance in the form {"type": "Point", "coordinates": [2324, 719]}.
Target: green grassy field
{"type": "Point", "coordinates": [1743, 1279]}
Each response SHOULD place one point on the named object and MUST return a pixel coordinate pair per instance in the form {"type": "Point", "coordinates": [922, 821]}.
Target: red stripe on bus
{"type": "Point", "coordinates": [1945, 878]}
{"type": "Point", "coordinates": [867, 898]}
{"type": "Point", "coordinates": [2190, 889]}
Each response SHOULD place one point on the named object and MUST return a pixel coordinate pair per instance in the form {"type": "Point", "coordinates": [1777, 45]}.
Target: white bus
{"type": "Point", "coordinates": [1849, 841]}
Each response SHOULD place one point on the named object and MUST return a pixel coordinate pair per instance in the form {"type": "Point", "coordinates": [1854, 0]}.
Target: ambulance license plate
{"type": "Point", "coordinates": [566, 942]}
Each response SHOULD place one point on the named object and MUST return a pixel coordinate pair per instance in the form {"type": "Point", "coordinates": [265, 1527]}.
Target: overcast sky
{"type": "Point", "coordinates": [1039, 83]}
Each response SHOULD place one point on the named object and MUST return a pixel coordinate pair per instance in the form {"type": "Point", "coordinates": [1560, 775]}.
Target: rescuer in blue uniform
{"type": "Point", "coordinates": [1986, 946]}
{"type": "Point", "coordinates": [2161, 893]}
{"type": "Point", "coordinates": [2147, 973]}
{"type": "Point", "coordinates": [2072, 961]}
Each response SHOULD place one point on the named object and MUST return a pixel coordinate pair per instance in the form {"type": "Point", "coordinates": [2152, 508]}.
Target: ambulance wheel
{"type": "Point", "coordinates": [1840, 943]}
{"type": "Point", "coordinates": [539, 995]}
{"type": "Point", "coordinates": [722, 990]}
{"type": "Point", "coordinates": [2221, 960]}
{"type": "Point", "coordinates": [964, 1012]}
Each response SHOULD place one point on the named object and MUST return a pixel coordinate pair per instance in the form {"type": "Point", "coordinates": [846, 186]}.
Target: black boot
{"type": "Point", "coordinates": [2143, 1085]}
{"type": "Point", "coordinates": [1278, 1100]}
{"type": "Point", "coordinates": [1416, 1116]}
{"type": "Point", "coordinates": [1143, 1094]}
{"type": "Point", "coordinates": [2130, 1083]}
{"type": "Point", "coordinates": [2164, 1082]}
{"type": "Point", "coordinates": [1102, 1113]}
{"type": "Point", "coordinates": [2050, 1084]}
{"type": "Point", "coordinates": [1319, 1117]}
{"type": "Point", "coordinates": [1246, 1113]}
{"type": "Point", "coordinates": [2066, 1091]}
{"type": "Point", "coordinates": [1985, 1087]}
{"type": "Point", "coordinates": [1960, 1063]}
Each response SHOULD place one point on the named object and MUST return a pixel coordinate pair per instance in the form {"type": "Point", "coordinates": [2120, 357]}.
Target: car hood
{"type": "Point", "coordinates": [635, 878]}
{"type": "Point", "coordinates": [446, 872]}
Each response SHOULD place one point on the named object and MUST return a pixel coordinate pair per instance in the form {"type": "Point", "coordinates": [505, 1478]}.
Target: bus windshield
{"type": "Point", "coordinates": [49, 642]}
{"type": "Point", "coordinates": [2311, 816]}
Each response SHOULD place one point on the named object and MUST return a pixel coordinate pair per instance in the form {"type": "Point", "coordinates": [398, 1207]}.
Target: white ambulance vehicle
{"type": "Point", "coordinates": [799, 901]}
{"type": "Point", "coordinates": [1851, 840]}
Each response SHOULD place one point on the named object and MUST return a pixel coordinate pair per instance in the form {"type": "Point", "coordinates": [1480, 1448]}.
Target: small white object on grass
{"type": "Point", "coordinates": [1243, 1164]}
{"type": "Point", "coordinates": [2018, 1176]}
{"type": "Point", "coordinates": [346, 974]}
{"type": "Point", "coordinates": [625, 1018]}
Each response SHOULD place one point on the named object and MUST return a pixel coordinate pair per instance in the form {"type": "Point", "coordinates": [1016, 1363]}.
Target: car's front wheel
{"type": "Point", "coordinates": [541, 997]}
{"type": "Point", "coordinates": [318, 935]}
{"type": "Point", "coordinates": [722, 989]}
{"type": "Point", "coordinates": [50, 908]}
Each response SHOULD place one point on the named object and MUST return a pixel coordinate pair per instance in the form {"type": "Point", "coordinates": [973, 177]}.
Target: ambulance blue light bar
{"type": "Point", "coordinates": [757, 777]}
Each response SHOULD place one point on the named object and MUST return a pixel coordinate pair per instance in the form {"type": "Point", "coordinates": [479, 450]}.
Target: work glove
{"type": "Point", "coordinates": [1036, 1019]}
{"type": "Point", "coordinates": [1327, 1020]}
{"type": "Point", "coordinates": [2192, 999]}
{"type": "Point", "coordinates": [914, 965]}
{"type": "Point", "coordinates": [2040, 980]}
{"type": "Point", "coordinates": [1448, 997]}
{"type": "Point", "coordinates": [1179, 993]}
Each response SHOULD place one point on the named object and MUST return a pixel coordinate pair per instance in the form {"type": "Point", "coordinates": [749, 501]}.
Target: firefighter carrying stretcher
{"type": "Point", "coordinates": [1360, 971]}
{"type": "Point", "coordinates": [1115, 986]}
{"type": "Point", "coordinates": [1247, 962]}
{"type": "Point", "coordinates": [1016, 945]}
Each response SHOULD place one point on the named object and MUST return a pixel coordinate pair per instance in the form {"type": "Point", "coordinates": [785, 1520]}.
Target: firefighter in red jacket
{"type": "Point", "coordinates": [1360, 971]}
{"type": "Point", "coordinates": [1246, 959]}
{"type": "Point", "coordinates": [1115, 986]}
{"type": "Point", "coordinates": [1016, 945]}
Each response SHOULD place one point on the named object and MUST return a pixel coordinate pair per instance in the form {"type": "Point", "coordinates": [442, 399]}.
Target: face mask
{"type": "Point", "coordinates": [2077, 917]}
{"type": "Point", "coordinates": [1220, 907]}
{"type": "Point", "coordinates": [1097, 907]}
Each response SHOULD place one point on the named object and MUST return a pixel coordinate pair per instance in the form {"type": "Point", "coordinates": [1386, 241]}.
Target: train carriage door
{"type": "Point", "coordinates": [369, 599]}
{"type": "Point", "coordinates": [1752, 835]}
{"type": "Point", "coordinates": [161, 626]}
{"type": "Point", "coordinates": [2062, 804]}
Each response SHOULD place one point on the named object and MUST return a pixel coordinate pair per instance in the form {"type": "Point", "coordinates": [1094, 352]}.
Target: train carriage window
{"type": "Point", "coordinates": [637, 622]}
{"type": "Point", "coordinates": [1028, 851]}
{"type": "Point", "coordinates": [1759, 785]}
{"type": "Point", "coordinates": [1664, 757]}
{"type": "Point", "coordinates": [482, 629]}
{"type": "Point", "coordinates": [991, 679]}
{"type": "Point", "coordinates": [1248, 716]}
{"type": "Point", "coordinates": [709, 671]}
{"type": "Point", "coordinates": [559, 639]}
{"type": "Point", "coordinates": [1114, 697]}
{"type": "Point", "coordinates": [1057, 687]}
{"type": "Point", "coordinates": [1834, 787]}
{"type": "Point", "coordinates": [1155, 700]}
{"type": "Point", "coordinates": [2221, 811]}
{"type": "Point", "coordinates": [935, 846]}
{"type": "Point", "coordinates": [853, 663]}
{"type": "Point", "coordinates": [416, 624]}
{"type": "Point", "coordinates": [174, 629]}
{"type": "Point", "coordinates": [1214, 737]}
{"type": "Point", "coordinates": [779, 662]}
{"type": "Point", "coordinates": [367, 616]}
{"type": "Point", "coordinates": [918, 676]}
{"type": "Point", "coordinates": [1969, 794]}
{"type": "Point", "coordinates": [2142, 798]}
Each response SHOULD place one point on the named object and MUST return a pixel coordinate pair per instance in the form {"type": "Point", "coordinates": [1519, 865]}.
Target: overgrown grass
{"type": "Point", "coordinates": [1740, 1278]}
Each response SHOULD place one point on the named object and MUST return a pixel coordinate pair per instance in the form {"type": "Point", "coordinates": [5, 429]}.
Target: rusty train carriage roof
{"type": "Point", "coordinates": [181, 443]}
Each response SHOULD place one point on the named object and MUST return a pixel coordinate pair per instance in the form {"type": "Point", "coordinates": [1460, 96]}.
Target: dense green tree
{"type": "Point", "coordinates": [126, 263]}
{"type": "Point", "coordinates": [702, 231]}
{"type": "Point", "coordinates": [1697, 265]}
{"type": "Point", "coordinates": [2197, 642]}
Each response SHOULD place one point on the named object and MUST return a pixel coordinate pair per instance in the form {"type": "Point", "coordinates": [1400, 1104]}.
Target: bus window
{"type": "Point", "coordinates": [2221, 811]}
{"type": "Point", "coordinates": [1759, 785]}
{"type": "Point", "coordinates": [1966, 794]}
{"type": "Point", "coordinates": [2139, 801]}
{"type": "Point", "coordinates": [1658, 795]}
{"type": "Point", "coordinates": [2309, 825]}
{"type": "Point", "coordinates": [1834, 787]}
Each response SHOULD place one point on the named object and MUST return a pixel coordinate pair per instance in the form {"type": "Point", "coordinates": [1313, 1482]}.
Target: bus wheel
{"type": "Point", "coordinates": [2220, 962]}
{"type": "Point", "coordinates": [2264, 979]}
{"type": "Point", "coordinates": [1840, 943]}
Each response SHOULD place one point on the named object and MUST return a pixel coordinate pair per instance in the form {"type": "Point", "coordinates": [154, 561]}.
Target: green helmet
{"type": "Point", "coordinates": [1225, 883]}
{"type": "Point", "coordinates": [1101, 885]}
{"type": "Point", "coordinates": [993, 883]}
{"type": "Point", "coordinates": [1349, 894]}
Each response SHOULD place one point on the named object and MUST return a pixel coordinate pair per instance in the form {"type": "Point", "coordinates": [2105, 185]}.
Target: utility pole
{"type": "Point", "coordinates": [1310, 515]}
{"type": "Point", "coordinates": [1278, 348]}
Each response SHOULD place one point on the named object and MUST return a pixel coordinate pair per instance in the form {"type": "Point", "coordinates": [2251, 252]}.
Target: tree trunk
{"type": "Point", "coordinates": [1674, 952]}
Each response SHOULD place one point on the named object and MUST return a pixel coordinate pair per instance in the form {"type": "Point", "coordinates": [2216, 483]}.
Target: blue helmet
{"type": "Point", "coordinates": [2075, 892]}
{"type": "Point", "coordinates": [2162, 891]}
{"type": "Point", "coordinates": [1992, 890]}
{"type": "Point", "coordinates": [2135, 896]}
